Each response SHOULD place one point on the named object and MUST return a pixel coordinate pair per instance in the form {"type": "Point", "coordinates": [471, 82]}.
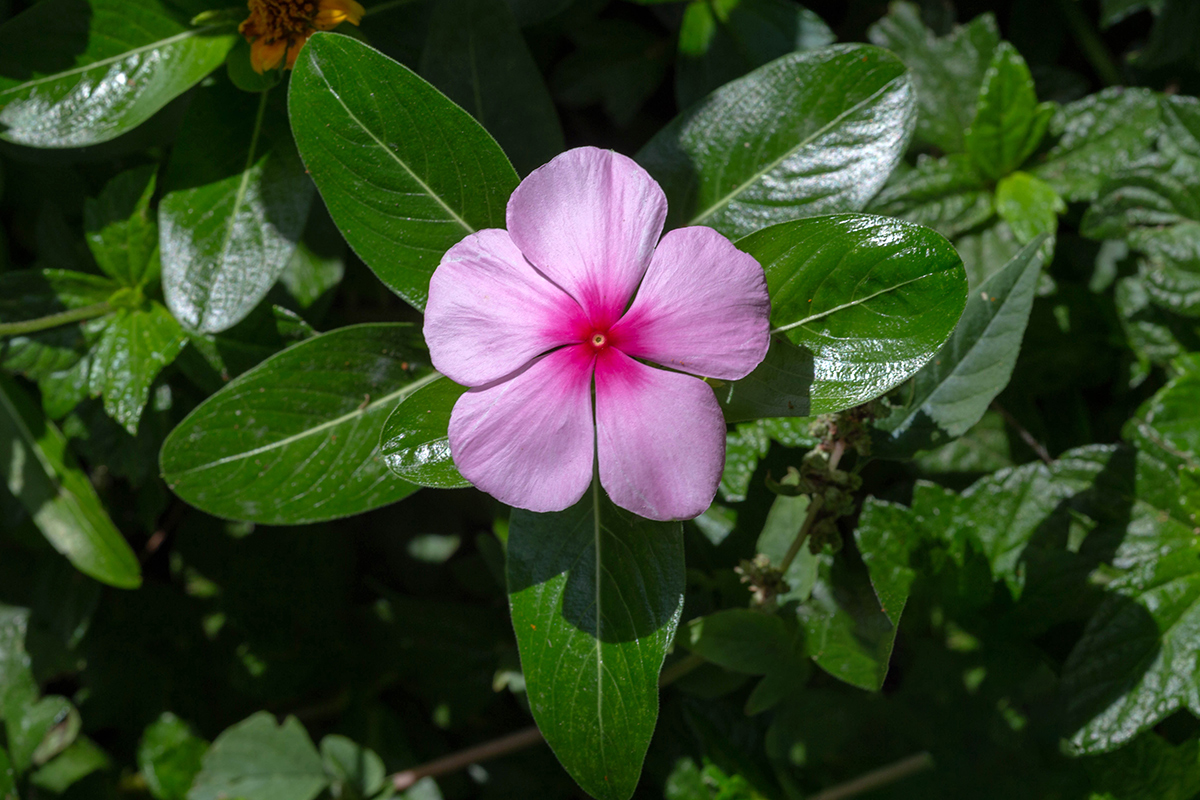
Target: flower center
{"type": "Point", "coordinates": [598, 340]}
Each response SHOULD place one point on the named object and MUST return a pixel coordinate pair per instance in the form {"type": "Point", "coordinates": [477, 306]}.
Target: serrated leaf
{"type": "Point", "coordinates": [296, 439]}
{"type": "Point", "coordinates": [237, 200]}
{"type": "Point", "coordinates": [404, 172]}
{"type": "Point", "coordinates": [810, 133]}
{"type": "Point", "coordinates": [1009, 123]}
{"type": "Point", "coordinates": [1168, 424]}
{"type": "Point", "coordinates": [871, 298]}
{"type": "Point", "coordinates": [476, 55]}
{"type": "Point", "coordinates": [32, 294]}
{"type": "Point", "coordinates": [595, 594]}
{"type": "Point", "coordinates": [41, 473]}
{"type": "Point", "coordinates": [1029, 205]}
{"type": "Point", "coordinates": [90, 70]}
{"type": "Point", "coordinates": [136, 345]}
{"type": "Point", "coordinates": [946, 194]}
{"type": "Point", "coordinates": [258, 760]}
{"type": "Point", "coordinates": [415, 441]}
{"type": "Point", "coordinates": [120, 229]}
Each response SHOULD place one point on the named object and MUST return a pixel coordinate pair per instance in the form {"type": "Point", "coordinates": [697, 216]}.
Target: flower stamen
{"type": "Point", "coordinates": [277, 29]}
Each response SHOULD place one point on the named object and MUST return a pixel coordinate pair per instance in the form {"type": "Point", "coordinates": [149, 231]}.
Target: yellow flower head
{"type": "Point", "coordinates": [277, 29]}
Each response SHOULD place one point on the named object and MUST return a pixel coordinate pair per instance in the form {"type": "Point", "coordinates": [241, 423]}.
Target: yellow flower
{"type": "Point", "coordinates": [277, 29]}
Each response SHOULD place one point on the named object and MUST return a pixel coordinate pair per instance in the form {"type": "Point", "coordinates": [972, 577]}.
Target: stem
{"type": "Point", "coordinates": [814, 508]}
{"type": "Point", "coordinates": [464, 758]}
{"type": "Point", "coordinates": [1025, 435]}
{"type": "Point", "coordinates": [54, 320]}
{"type": "Point", "coordinates": [1093, 47]}
{"type": "Point", "coordinates": [877, 777]}
{"type": "Point", "coordinates": [388, 5]}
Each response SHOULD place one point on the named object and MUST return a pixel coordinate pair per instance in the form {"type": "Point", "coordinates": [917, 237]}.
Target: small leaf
{"type": "Point", "coordinates": [120, 231]}
{"type": "Point", "coordinates": [354, 772]}
{"type": "Point", "coordinates": [257, 760]}
{"type": "Point", "coordinates": [871, 298]}
{"type": "Point", "coordinates": [41, 473]}
{"type": "Point", "coordinates": [169, 757]}
{"type": "Point", "coordinates": [136, 345]}
{"type": "Point", "coordinates": [1028, 205]}
{"type": "Point", "coordinates": [75, 763]}
{"type": "Point", "coordinates": [1009, 123]}
{"type": "Point", "coordinates": [40, 731]}
{"type": "Point", "coordinates": [595, 594]}
{"type": "Point", "coordinates": [296, 439]}
{"type": "Point", "coordinates": [405, 172]}
{"type": "Point", "coordinates": [91, 70]}
{"type": "Point", "coordinates": [476, 55]}
{"type": "Point", "coordinates": [946, 194]}
{"type": "Point", "coordinates": [742, 640]}
{"type": "Point", "coordinates": [414, 441]}
{"type": "Point", "coordinates": [810, 133]}
{"type": "Point", "coordinates": [237, 199]}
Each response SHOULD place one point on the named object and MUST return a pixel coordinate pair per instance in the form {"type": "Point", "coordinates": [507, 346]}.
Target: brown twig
{"type": "Point", "coordinates": [1025, 435]}
{"type": "Point", "coordinates": [464, 758]}
{"type": "Point", "coordinates": [877, 777]}
{"type": "Point", "coordinates": [814, 508]}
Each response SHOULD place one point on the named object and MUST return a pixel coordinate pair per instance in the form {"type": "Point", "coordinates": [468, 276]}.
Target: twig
{"type": "Point", "coordinates": [54, 320]}
{"type": "Point", "coordinates": [877, 777]}
{"type": "Point", "coordinates": [1025, 435]}
{"type": "Point", "coordinates": [464, 758]}
{"type": "Point", "coordinates": [814, 508]}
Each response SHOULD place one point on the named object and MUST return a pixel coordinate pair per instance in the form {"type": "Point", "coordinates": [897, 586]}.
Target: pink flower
{"type": "Point", "coordinates": [530, 317]}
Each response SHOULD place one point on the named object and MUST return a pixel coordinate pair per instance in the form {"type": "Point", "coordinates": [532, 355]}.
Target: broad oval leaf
{"type": "Point", "coordinates": [595, 594]}
{"type": "Point", "coordinates": [415, 443]}
{"type": "Point", "coordinates": [259, 760]}
{"type": "Point", "coordinates": [405, 172]}
{"type": "Point", "coordinates": [40, 472]}
{"type": "Point", "coordinates": [296, 439]}
{"type": "Point", "coordinates": [809, 133]}
{"type": "Point", "coordinates": [78, 72]}
{"type": "Point", "coordinates": [871, 298]}
{"type": "Point", "coordinates": [237, 199]}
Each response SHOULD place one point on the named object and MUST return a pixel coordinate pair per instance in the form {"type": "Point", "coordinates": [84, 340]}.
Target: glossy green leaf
{"type": "Point", "coordinates": [951, 392]}
{"type": "Point", "coordinates": [810, 133]}
{"type": "Point", "coordinates": [259, 760]}
{"type": "Point", "coordinates": [169, 757]}
{"type": "Point", "coordinates": [414, 441]}
{"type": "Point", "coordinates": [1029, 205]}
{"type": "Point", "coordinates": [946, 194]}
{"type": "Point", "coordinates": [32, 294]}
{"type": "Point", "coordinates": [1009, 123]}
{"type": "Point", "coordinates": [120, 229]}
{"type": "Point", "coordinates": [1097, 136]}
{"type": "Point", "coordinates": [136, 345]}
{"type": "Point", "coordinates": [78, 72]}
{"type": "Point", "coordinates": [296, 439]}
{"type": "Point", "coordinates": [476, 55]}
{"type": "Point", "coordinates": [223, 356]}
{"type": "Point", "coordinates": [41, 473]}
{"type": "Point", "coordinates": [1168, 424]}
{"type": "Point", "coordinates": [946, 73]}
{"type": "Point", "coordinates": [1155, 335]}
{"type": "Point", "coordinates": [871, 298]}
{"type": "Point", "coordinates": [721, 40]}
{"type": "Point", "coordinates": [237, 199]}
{"type": "Point", "coordinates": [354, 771]}
{"type": "Point", "coordinates": [75, 763]}
{"type": "Point", "coordinates": [595, 594]}
{"type": "Point", "coordinates": [986, 249]}
{"type": "Point", "coordinates": [405, 172]}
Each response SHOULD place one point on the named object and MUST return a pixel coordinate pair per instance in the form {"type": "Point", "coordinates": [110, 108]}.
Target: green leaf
{"type": "Point", "coordinates": [810, 133]}
{"type": "Point", "coordinates": [17, 685]}
{"type": "Point", "coordinates": [1009, 123]}
{"type": "Point", "coordinates": [721, 40]}
{"type": "Point", "coordinates": [78, 72]}
{"type": "Point", "coordinates": [778, 387]}
{"type": "Point", "coordinates": [40, 731]}
{"type": "Point", "coordinates": [78, 761]}
{"type": "Point", "coordinates": [224, 356]}
{"type": "Point", "coordinates": [1138, 203]}
{"type": "Point", "coordinates": [887, 537]}
{"type": "Point", "coordinates": [529, 12]}
{"type": "Point", "coordinates": [414, 441]}
{"type": "Point", "coordinates": [258, 760]}
{"type": "Point", "coordinates": [617, 63]}
{"type": "Point", "coordinates": [946, 194]}
{"type": "Point", "coordinates": [8, 778]}
{"type": "Point", "coordinates": [1149, 768]}
{"type": "Point", "coordinates": [237, 199]}
{"type": "Point", "coordinates": [1097, 136]}
{"type": "Point", "coordinates": [41, 473]}
{"type": "Point", "coordinates": [120, 231]}
{"type": "Point", "coordinates": [742, 640]}
{"type": "Point", "coordinates": [595, 594]}
{"type": "Point", "coordinates": [476, 55]}
{"type": "Point", "coordinates": [1029, 206]}
{"type": "Point", "coordinates": [951, 392]}
{"type": "Point", "coordinates": [405, 172]}
{"type": "Point", "coordinates": [1168, 424]}
{"type": "Point", "coordinates": [947, 73]}
{"type": "Point", "coordinates": [296, 439]}
{"type": "Point", "coordinates": [29, 294]}
{"type": "Point", "coordinates": [871, 298]}
{"type": "Point", "coordinates": [1155, 335]}
{"type": "Point", "coordinates": [169, 757]}
{"type": "Point", "coordinates": [137, 343]}
{"type": "Point", "coordinates": [354, 772]}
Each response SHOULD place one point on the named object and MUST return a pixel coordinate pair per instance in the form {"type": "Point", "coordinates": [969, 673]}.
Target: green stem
{"type": "Point", "coordinates": [1093, 47]}
{"type": "Point", "coordinates": [54, 320]}
{"type": "Point", "coordinates": [388, 5]}
{"type": "Point", "coordinates": [814, 508]}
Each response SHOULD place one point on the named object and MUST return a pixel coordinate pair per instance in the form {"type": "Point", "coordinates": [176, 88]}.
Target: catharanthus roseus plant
{"type": "Point", "coordinates": [565, 304]}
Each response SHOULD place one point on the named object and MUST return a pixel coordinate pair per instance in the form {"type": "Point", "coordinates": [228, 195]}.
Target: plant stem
{"type": "Point", "coordinates": [1025, 435]}
{"type": "Point", "coordinates": [1090, 43]}
{"type": "Point", "coordinates": [464, 758]}
{"type": "Point", "coordinates": [814, 508]}
{"type": "Point", "coordinates": [54, 320]}
{"type": "Point", "coordinates": [877, 777]}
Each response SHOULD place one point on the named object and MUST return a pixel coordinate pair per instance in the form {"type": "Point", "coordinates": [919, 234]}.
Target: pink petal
{"type": "Point", "coordinates": [490, 312]}
{"type": "Point", "coordinates": [528, 440]}
{"type": "Point", "coordinates": [589, 220]}
{"type": "Point", "coordinates": [660, 438]}
{"type": "Point", "coordinates": [703, 308]}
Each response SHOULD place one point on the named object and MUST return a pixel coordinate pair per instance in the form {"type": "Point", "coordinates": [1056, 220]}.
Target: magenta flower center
{"type": "Point", "coordinates": [599, 340]}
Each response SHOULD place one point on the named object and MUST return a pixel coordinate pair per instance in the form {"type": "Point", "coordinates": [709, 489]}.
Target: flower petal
{"type": "Point", "coordinates": [528, 440]}
{"type": "Point", "coordinates": [660, 438]}
{"type": "Point", "coordinates": [589, 220]}
{"type": "Point", "coordinates": [489, 312]}
{"type": "Point", "coordinates": [702, 308]}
